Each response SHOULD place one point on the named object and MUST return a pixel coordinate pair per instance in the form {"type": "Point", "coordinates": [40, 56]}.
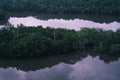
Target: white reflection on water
{"type": "Point", "coordinates": [87, 69]}
{"type": "Point", "coordinates": [61, 23]}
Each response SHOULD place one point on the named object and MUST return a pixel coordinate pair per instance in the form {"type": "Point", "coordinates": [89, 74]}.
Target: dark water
{"type": "Point", "coordinates": [71, 21]}
{"type": "Point", "coordinates": [62, 67]}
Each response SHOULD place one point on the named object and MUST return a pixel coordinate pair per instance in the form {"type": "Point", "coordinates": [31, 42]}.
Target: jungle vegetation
{"type": "Point", "coordinates": [109, 7]}
{"type": "Point", "coordinates": [33, 41]}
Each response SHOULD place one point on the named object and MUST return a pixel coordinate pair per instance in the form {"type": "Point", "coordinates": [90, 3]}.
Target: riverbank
{"type": "Point", "coordinates": [95, 7]}
{"type": "Point", "coordinates": [38, 41]}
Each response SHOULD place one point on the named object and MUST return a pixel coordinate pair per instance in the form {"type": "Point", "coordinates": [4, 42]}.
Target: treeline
{"type": "Point", "coordinates": [37, 41]}
{"type": "Point", "coordinates": [3, 15]}
{"type": "Point", "coordinates": [63, 6]}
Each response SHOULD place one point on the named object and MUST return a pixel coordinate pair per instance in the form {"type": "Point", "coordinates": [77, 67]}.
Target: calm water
{"type": "Point", "coordinates": [65, 21]}
{"type": "Point", "coordinates": [63, 67]}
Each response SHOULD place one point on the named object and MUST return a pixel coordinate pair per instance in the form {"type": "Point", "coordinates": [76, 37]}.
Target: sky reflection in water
{"type": "Point", "coordinates": [87, 69]}
{"type": "Point", "coordinates": [61, 23]}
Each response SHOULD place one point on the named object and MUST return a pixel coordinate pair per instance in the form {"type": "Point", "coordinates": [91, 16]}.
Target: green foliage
{"type": "Point", "coordinates": [37, 41]}
{"type": "Point", "coordinates": [63, 6]}
{"type": "Point", "coordinates": [3, 15]}
{"type": "Point", "coordinates": [115, 48]}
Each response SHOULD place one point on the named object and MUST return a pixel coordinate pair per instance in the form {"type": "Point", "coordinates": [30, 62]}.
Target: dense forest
{"type": "Point", "coordinates": [3, 15]}
{"type": "Point", "coordinates": [62, 6]}
{"type": "Point", "coordinates": [37, 41]}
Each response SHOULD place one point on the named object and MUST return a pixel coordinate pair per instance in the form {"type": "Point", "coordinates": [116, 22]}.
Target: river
{"type": "Point", "coordinates": [62, 67]}
{"type": "Point", "coordinates": [68, 21]}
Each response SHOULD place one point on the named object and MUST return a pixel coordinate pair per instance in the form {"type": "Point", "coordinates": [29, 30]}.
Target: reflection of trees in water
{"type": "Point", "coordinates": [107, 58]}
{"type": "Point", "coordinates": [43, 62]}
{"type": "Point", "coordinates": [94, 18]}
{"type": "Point", "coordinates": [39, 63]}
{"type": "Point", "coordinates": [3, 22]}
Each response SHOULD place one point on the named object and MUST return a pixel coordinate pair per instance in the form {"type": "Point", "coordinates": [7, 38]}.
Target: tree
{"type": "Point", "coordinates": [3, 15]}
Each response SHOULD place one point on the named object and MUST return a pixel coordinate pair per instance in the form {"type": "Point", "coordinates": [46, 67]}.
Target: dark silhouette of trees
{"type": "Point", "coordinates": [63, 6]}
{"type": "Point", "coordinates": [3, 15]}
{"type": "Point", "coordinates": [37, 41]}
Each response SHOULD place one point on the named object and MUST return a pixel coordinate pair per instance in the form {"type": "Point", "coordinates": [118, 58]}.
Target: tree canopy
{"type": "Point", "coordinates": [3, 15]}
{"type": "Point", "coordinates": [63, 6]}
{"type": "Point", "coordinates": [38, 41]}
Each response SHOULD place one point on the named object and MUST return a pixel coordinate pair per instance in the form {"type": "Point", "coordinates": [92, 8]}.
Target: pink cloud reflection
{"type": "Point", "coordinates": [76, 24]}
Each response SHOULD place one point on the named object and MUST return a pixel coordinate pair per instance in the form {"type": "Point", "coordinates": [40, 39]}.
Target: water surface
{"type": "Point", "coordinates": [68, 68]}
{"type": "Point", "coordinates": [76, 24]}
{"type": "Point", "coordinates": [73, 21]}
